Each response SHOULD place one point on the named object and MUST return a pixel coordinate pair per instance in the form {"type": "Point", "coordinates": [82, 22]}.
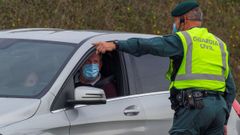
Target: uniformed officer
{"type": "Point", "coordinates": [202, 87]}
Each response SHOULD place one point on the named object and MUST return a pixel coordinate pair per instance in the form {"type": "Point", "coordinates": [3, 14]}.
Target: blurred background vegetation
{"type": "Point", "coordinates": [222, 17]}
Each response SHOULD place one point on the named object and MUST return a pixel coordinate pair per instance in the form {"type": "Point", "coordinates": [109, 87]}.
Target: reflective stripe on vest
{"type": "Point", "coordinates": [188, 69]}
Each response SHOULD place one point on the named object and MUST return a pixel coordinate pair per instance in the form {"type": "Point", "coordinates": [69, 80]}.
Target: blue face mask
{"type": "Point", "coordinates": [90, 71]}
{"type": "Point", "coordinates": [174, 28]}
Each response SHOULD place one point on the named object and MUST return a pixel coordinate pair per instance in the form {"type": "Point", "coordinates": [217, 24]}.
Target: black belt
{"type": "Point", "coordinates": [193, 98]}
{"type": "Point", "coordinates": [209, 93]}
{"type": "Point", "coordinates": [204, 92]}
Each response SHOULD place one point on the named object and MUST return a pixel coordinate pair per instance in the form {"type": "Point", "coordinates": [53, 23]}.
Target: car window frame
{"type": "Point", "coordinates": [125, 87]}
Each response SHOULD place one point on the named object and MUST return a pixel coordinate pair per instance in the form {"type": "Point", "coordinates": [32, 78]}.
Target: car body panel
{"type": "Point", "coordinates": [45, 124]}
{"type": "Point", "coordinates": [15, 110]}
{"type": "Point", "coordinates": [108, 119]}
{"type": "Point", "coordinates": [234, 120]}
{"type": "Point", "coordinates": [236, 107]}
{"type": "Point", "coordinates": [158, 112]}
{"type": "Point", "coordinates": [233, 123]}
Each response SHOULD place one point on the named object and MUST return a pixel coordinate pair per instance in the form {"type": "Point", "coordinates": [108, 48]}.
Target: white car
{"type": "Point", "coordinates": [38, 95]}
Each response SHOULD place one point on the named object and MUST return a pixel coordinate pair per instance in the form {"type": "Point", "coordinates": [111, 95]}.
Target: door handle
{"type": "Point", "coordinates": [132, 110]}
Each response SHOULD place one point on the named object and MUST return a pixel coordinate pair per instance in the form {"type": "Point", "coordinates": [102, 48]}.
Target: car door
{"type": "Point", "coordinates": [119, 116]}
{"type": "Point", "coordinates": [148, 74]}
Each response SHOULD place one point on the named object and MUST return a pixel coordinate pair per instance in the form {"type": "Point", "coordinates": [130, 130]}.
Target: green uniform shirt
{"type": "Point", "coordinates": [168, 46]}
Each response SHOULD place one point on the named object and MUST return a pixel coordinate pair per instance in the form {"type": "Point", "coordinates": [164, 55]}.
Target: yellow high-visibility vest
{"type": "Point", "coordinates": [205, 61]}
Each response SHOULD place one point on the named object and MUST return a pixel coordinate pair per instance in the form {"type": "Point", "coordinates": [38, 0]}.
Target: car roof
{"type": "Point", "coordinates": [51, 34]}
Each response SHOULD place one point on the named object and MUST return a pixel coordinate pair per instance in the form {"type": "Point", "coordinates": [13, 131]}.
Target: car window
{"type": "Point", "coordinates": [150, 73]}
{"type": "Point", "coordinates": [102, 76]}
{"type": "Point", "coordinates": [28, 66]}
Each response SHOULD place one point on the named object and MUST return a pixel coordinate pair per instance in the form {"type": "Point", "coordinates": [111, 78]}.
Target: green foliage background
{"type": "Point", "coordinates": [222, 17]}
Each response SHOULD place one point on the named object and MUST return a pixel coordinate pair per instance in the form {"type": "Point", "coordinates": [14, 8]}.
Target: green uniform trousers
{"type": "Point", "coordinates": [207, 121]}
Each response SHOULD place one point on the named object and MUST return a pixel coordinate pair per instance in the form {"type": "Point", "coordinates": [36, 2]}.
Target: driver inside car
{"type": "Point", "coordinates": [89, 75]}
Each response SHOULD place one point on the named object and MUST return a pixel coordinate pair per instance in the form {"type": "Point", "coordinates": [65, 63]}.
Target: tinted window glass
{"type": "Point", "coordinates": [27, 67]}
{"type": "Point", "coordinates": [150, 73]}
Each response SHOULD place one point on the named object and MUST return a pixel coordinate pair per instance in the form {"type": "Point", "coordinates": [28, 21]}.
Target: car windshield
{"type": "Point", "coordinates": [28, 67]}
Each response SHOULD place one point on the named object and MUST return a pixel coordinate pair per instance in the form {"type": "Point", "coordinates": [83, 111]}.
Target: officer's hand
{"type": "Point", "coordinates": [225, 129]}
{"type": "Point", "coordinates": [102, 47]}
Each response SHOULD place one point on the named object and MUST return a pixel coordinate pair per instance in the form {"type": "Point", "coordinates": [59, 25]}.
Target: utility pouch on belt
{"type": "Point", "coordinates": [174, 102]}
{"type": "Point", "coordinates": [195, 99]}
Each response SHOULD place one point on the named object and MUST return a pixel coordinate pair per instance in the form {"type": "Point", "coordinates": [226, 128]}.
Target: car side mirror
{"type": "Point", "coordinates": [87, 96]}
